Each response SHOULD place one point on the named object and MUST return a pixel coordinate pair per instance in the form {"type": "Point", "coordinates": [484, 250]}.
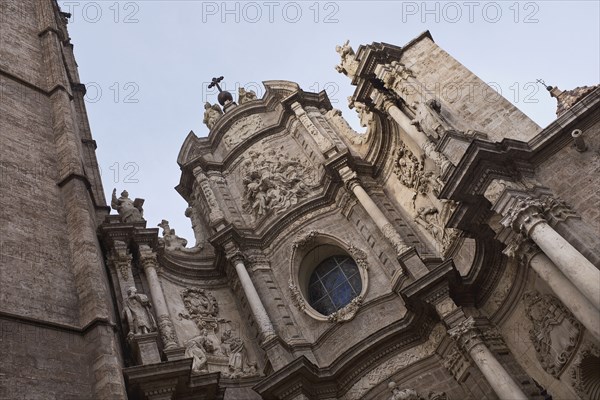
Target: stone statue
{"type": "Point", "coordinates": [429, 120]}
{"type": "Point", "coordinates": [137, 312]}
{"type": "Point", "coordinates": [211, 114]}
{"type": "Point", "coordinates": [348, 65]}
{"type": "Point", "coordinates": [129, 210]}
{"type": "Point", "coordinates": [194, 349]}
{"type": "Point", "coordinates": [233, 348]}
{"type": "Point", "coordinates": [245, 96]}
{"type": "Point", "coordinates": [172, 241]}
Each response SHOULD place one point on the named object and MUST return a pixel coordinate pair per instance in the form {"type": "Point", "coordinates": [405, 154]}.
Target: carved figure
{"type": "Point", "coordinates": [434, 222]}
{"type": "Point", "coordinates": [555, 332]}
{"type": "Point", "coordinates": [129, 210]}
{"type": "Point", "coordinates": [245, 96]}
{"type": "Point", "coordinates": [348, 65]}
{"type": "Point", "coordinates": [137, 312]}
{"type": "Point", "coordinates": [233, 348]}
{"type": "Point", "coordinates": [194, 349]}
{"type": "Point", "coordinates": [429, 119]}
{"type": "Point", "coordinates": [172, 241]}
{"type": "Point", "coordinates": [272, 183]}
{"type": "Point", "coordinates": [211, 114]}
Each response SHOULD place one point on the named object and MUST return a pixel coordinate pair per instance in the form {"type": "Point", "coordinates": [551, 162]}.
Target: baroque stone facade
{"type": "Point", "coordinates": [442, 254]}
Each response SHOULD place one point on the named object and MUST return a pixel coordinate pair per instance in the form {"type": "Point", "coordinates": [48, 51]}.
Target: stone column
{"type": "Point", "coordinates": [469, 340]}
{"type": "Point", "coordinates": [165, 325]}
{"type": "Point", "coordinates": [564, 290]}
{"type": "Point", "coordinates": [385, 226]}
{"type": "Point", "coordinates": [387, 104]}
{"type": "Point", "coordinates": [258, 309]}
{"type": "Point", "coordinates": [526, 217]}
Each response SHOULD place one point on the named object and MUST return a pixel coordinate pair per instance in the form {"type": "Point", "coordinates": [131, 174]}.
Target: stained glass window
{"type": "Point", "coordinates": [333, 284]}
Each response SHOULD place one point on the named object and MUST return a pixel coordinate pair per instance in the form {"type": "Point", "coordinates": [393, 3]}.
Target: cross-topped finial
{"type": "Point", "coordinates": [215, 82]}
{"type": "Point", "coordinates": [541, 81]}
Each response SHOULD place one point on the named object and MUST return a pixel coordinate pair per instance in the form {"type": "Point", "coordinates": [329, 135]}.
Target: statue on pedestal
{"type": "Point", "coordinates": [137, 312]}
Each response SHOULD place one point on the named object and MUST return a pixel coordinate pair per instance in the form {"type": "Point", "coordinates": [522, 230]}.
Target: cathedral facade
{"type": "Point", "coordinates": [447, 251]}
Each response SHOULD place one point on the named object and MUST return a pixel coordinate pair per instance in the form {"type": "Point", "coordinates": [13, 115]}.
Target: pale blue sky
{"type": "Point", "coordinates": [147, 65]}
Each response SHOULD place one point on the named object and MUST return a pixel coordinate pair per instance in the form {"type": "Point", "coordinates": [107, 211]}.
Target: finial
{"type": "Point", "coordinates": [224, 96]}
{"type": "Point", "coordinates": [548, 88]}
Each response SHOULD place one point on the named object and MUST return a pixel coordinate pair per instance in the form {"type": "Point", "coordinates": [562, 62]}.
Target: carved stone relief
{"type": "Point", "coordinates": [555, 333]}
{"type": "Point", "coordinates": [399, 393]}
{"type": "Point", "coordinates": [411, 173]}
{"type": "Point", "coordinates": [273, 183]}
{"type": "Point", "coordinates": [386, 369]}
{"type": "Point", "coordinates": [216, 348]}
{"type": "Point", "coordinates": [242, 129]}
{"type": "Point", "coordinates": [434, 222]}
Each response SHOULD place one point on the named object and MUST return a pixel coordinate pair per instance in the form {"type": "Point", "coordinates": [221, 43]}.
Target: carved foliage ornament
{"type": "Point", "coordinates": [555, 333]}
{"type": "Point", "coordinates": [274, 181]}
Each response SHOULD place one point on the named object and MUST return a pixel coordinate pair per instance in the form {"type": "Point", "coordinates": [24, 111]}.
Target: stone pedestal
{"type": "Point", "coordinates": [145, 348]}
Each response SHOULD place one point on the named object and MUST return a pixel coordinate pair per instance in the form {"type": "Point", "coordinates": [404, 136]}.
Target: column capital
{"type": "Point", "coordinates": [466, 334]}
{"type": "Point", "coordinates": [148, 258]}
{"type": "Point", "coordinates": [235, 255]}
{"type": "Point", "coordinates": [524, 214]}
{"type": "Point", "coordinates": [349, 177]}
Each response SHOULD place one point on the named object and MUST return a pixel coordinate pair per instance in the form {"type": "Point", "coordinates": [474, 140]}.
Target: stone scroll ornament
{"type": "Point", "coordinates": [274, 181]}
{"type": "Point", "coordinates": [555, 333]}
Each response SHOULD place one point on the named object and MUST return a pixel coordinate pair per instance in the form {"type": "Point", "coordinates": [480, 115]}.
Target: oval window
{"type": "Point", "coordinates": [333, 284]}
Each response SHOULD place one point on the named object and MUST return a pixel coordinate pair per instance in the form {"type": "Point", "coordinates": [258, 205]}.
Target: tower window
{"type": "Point", "coordinates": [333, 284]}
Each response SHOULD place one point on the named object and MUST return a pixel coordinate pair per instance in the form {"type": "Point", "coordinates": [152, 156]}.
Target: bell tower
{"type": "Point", "coordinates": [58, 336]}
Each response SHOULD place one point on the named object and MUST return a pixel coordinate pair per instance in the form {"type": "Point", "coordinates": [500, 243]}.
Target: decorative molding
{"type": "Point", "coordinates": [346, 313]}
{"type": "Point", "coordinates": [242, 129]}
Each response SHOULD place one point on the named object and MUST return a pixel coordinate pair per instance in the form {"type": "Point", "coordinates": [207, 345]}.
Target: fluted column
{"type": "Point", "coordinates": [527, 217]}
{"type": "Point", "coordinates": [564, 290]}
{"type": "Point", "coordinates": [387, 104]}
{"type": "Point", "coordinates": [165, 325]}
{"type": "Point", "coordinates": [385, 226]}
{"type": "Point", "coordinates": [256, 306]}
{"type": "Point", "coordinates": [469, 340]}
